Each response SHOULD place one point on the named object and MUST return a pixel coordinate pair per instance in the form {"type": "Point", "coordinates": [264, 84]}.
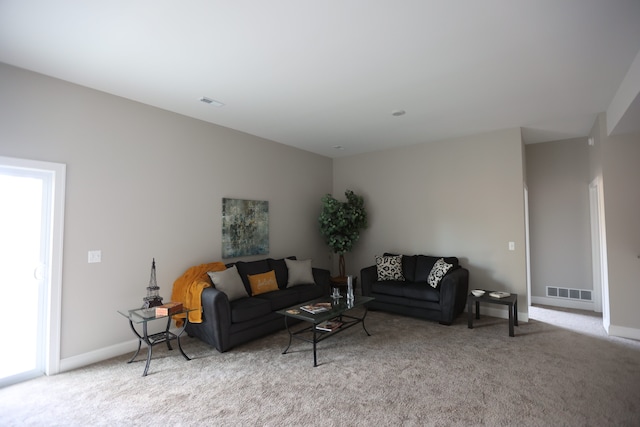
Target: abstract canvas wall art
{"type": "Point", "coordinates": [245, 227]}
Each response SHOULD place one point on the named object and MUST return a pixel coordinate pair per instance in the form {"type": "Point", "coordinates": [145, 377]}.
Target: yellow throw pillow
{"type": "Point", "coordinates": [262, 283]}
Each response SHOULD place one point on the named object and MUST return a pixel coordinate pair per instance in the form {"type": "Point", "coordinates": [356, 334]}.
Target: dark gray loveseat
{"type": "Point", "coordinates": [226, 324]}
{"type": "Point", "coordinates": [412, 295]}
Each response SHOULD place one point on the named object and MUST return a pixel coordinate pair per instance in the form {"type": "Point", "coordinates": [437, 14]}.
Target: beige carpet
{"type": "Point", "coordinates": [409, 372]}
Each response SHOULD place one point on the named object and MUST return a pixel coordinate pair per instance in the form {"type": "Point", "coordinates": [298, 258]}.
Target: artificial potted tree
{"type": "Point", "coordinates": [340, 224]}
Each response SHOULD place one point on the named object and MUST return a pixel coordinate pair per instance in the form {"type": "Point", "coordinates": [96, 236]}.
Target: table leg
{"type": "Point", "coordinates": [315, 341]}
{"type": "Point", "coordinates": [511, 308]}
{"type": "Point", "coordinates": [362, 320]}
{"type": "Point", "coordinates": [139, 341]}
{"type": "Point", "coordinates": [515, 312]}
{"type": "Point", "coordinates": [286, 325]}
{"type": "Point", "coordinates": [166, 332]}
{"type": "Point", "coordinates": [184, 326]}
{"type": "Point", "coordinates": [149, 348]}
{"type": "Point", "coordinates": [470, 314]}
{"type": "Point", "coordinates": [477, 309]}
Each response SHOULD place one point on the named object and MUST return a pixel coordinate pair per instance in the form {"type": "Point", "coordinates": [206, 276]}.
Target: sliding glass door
{"type": "Point", "coordinates": [26, 235]}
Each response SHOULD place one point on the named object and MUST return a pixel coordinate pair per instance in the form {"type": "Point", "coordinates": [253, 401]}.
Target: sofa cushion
{"type": "Point", "coordinates": [300, 272]}
{"type": "Point", "coordinates": [388, 287]}
{"type": "Point", "coordinates": [246, 309]}
{"type": "Point", "coordinates": [419, 291]}
{"type": "Point", "coordinates": [389, 267]}
{"type": "Point", "coordinates": [251, 267]}
{"type": "Point", "coordinates": [440, 268]}
{"type": "Point", "coordinates": [229, 282]}
{"type": "Point", "coordinates": [425, 264]}
{"type": "Point", "coordinates": [263, 283]}
{"type": "Point", "coordinates": [280, 299]}
{"type": "Point", "coordinates": [408, 266]}
{"type": "Point", "coordinates": [309, 292]}
{"type": "Point", "coordinates": [282, 272]}
{"type": "Point", "coordinates": [389, 299]}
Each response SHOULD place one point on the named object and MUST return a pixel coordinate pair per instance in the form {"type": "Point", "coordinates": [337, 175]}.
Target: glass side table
{"type": "Point", "coordinates": [143, 316]}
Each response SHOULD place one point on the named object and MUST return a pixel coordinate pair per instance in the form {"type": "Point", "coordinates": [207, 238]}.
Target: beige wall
{"type": "Point", "coordinates": [559, 221]}
{"type": "Point", "coordinates": [614, 165]}
{"type": "Point", "coordinates": [461, 197]}
{"type": "Point", "coordinates": [144, 183]}
{"type": "Point", "coordinates": [621, 176]}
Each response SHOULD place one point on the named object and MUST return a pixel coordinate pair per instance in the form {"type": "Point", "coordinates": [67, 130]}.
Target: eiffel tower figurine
{"type": "Point", "coordinates": [153, 298]}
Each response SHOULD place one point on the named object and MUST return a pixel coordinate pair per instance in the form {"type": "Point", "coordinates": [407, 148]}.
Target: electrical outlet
{"type": "Point", "coordinates": [95, 256]}
{"type": "Point", "coordinates": [512, 246]}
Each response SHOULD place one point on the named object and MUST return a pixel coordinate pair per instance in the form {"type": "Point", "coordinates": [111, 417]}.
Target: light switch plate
{"type": "Point", "coordinates": [95, 256]}
{"type": "Point", "coordinates": [512, 246]}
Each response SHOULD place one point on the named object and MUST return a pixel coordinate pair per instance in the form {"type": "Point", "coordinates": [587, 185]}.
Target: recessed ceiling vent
{"type": "Point", "coordinates": [210, 101]}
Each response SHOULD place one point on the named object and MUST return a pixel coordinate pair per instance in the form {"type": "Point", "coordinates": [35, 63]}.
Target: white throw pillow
{"type": "Point", "coordinates": [229, 282]}
{"type": "Point", "coordinates": [438, 271]}
{"type": "Point", "coordinates": [300, 272]}
{"type": "Point", "coordinates": [389, 267]}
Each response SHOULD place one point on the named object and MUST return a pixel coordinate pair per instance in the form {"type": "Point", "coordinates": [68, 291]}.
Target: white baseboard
{"type": "Point", "coordinates": [99, 355]}
{"type": "Point", "coordinates": [612, 330]}
{"type": "Point", "coordinates": [624, 332]}
{"type": "Point", "coordinates": [75, 362]}
{"type": "Point", "coordinates": [562, 302]}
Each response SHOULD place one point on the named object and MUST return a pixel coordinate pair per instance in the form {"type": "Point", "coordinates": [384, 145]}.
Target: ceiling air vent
{"type": "Point", "coordinates": [210, 101]}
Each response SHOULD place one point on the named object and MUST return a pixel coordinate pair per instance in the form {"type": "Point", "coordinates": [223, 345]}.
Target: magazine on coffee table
{"type": "Point", "coordinates": [328, 325]}
{"type": "Point", "coordinates": [318, 307]}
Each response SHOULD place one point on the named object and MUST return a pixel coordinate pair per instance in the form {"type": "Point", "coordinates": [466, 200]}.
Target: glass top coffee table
{"type": "Point", "coordinates": [332, 319]}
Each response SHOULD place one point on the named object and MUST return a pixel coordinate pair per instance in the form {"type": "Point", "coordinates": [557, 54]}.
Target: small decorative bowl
{"type": "Point", "coordinates": [477, 292]}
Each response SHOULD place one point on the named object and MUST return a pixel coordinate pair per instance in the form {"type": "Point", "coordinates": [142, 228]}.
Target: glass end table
{"type": "Point", "coordinates": [142, 316]}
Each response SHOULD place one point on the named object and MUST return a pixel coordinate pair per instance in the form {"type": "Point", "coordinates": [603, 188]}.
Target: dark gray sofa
{"type": "Point", "coordinates": [226, 324]}
{"type": "Point", "coordinates": [413, 296]}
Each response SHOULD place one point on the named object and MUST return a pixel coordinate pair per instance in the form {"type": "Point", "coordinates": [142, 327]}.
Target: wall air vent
{"type": "Point", "coordinates": [568, 293]}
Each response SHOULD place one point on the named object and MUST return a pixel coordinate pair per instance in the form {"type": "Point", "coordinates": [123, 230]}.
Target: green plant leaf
{"type": "Point", "coordinates": [341, 222]}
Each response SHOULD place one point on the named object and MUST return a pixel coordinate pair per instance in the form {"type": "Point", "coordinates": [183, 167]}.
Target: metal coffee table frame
{"type": "Point", "coordinates": [313, 335]}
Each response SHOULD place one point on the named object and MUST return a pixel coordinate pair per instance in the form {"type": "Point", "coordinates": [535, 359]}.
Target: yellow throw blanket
{"type": "Point", "coordinates": [187, 289]}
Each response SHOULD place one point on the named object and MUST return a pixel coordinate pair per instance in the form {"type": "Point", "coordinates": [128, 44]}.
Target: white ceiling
{"type": "Point", "coordinates": [316, 74]}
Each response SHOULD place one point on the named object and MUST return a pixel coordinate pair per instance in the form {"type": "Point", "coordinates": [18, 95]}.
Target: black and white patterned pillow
{"type": "Point", "coordinates": [389, 267]}
{"type": "Point", "coordinates": [438, 271]}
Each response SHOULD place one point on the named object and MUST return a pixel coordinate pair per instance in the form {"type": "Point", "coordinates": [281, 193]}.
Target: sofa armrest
{"type": "Point", "coordinates": [453, 294]}
{"type": "Point", "coordinates": [216, 316]}
{"type": "Point", "coordinates": [368, 276]}
{"type": "Point", "coordinates": [322, 278]}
